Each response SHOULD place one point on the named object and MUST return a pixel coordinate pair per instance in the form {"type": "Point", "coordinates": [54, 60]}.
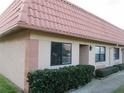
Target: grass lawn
{"type": "Point", "coordinates": [6, 86]}
{"type": "Point", "coordinates": [119, 90]}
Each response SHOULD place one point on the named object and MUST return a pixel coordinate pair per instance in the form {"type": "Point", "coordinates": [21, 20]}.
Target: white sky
{"type": "Point", "coordinates": [4, 4]}
{"type": "Point", "coordinates": [110, 10]}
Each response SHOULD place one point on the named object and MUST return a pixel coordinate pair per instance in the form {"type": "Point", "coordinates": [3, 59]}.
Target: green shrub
{"type": "Point", "coordinates": [59, 80]}
{"type": "Point", "coordinates": [106, 71]}
{"type": "Point", "coordinates": [120, 66]}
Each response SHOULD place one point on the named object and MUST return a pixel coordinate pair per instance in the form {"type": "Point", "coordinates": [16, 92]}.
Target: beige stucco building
{"type": "Point", "coordinates": [35, 38]}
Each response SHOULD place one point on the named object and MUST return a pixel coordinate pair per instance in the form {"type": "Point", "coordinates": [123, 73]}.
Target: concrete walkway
{"type": "Point", "coordinates": [105, 85]}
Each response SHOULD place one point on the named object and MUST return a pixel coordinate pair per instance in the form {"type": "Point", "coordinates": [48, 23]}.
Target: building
{"type": "Point", "coordinates": [38, 34]}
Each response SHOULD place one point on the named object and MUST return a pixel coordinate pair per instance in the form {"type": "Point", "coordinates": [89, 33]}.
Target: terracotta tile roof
{"type": "Point", "coordinates": [59, 16]}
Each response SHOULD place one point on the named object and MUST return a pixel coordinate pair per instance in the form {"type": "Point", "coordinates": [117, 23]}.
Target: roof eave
{"type": "Point", "coordinates": [9, 30]}
{"type": "Point", "coordinates": [21, 25]}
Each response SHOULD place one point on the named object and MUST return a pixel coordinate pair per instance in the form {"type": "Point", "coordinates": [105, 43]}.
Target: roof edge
{"type": "Point", "coordinates": [24, 9]}
{"type": "Point", "coordinates": [7, 8]}
{"type": "Point", "coordinates": [21, 25]}
{"type": "Point", "coordinates": [9, 30]}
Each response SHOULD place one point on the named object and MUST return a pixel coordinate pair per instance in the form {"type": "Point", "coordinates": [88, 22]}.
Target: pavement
{"type": "Point", "coordinates": [104, 85]}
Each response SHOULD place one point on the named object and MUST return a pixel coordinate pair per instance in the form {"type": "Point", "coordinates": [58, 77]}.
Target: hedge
{"type": "Point", "coordinates": [103, 72]}
{"type": "Point", "coordinates": [59, 80]}
{"type": "Point", "coordinates": [120, 66]}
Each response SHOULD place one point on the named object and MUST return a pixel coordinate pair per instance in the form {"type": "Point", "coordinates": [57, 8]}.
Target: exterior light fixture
{"type": "Point", "coordinates": [90, 48]}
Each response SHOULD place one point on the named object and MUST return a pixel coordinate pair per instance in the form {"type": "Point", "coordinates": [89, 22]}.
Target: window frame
{"type": "Point", "coordinates": [62, 54]}
{"type": "Point", "coordinates": [116, 57]}
{"type": "Point", "coordinates": [100, 48]}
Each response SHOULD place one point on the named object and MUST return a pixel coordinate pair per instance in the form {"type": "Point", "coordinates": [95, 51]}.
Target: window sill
{"type": "Point", "coordinates": [100, 62]}
{"type": "Point", "coordinates": [116, 59]}
{"type": "Point", "coordinates": [62, 64]}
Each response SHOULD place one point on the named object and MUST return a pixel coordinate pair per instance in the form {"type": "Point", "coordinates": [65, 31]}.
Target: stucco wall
{"type": "Point", "coordinates": [109, 56]}
{"type": "Point", "coordinates": [122, 55]}
{"type": "Point", "coordinates": [45, 50]}
{"type": "Point", "coordinates": [107, 61]}
{"type": "Point", "coordinates": [17, 53]}
{"type": "Point", "coordinates": [113, 62]}
{"type": "Point", "coordinates": [45, 40]}
{"type": "Point", "coordinates": [12, 58]}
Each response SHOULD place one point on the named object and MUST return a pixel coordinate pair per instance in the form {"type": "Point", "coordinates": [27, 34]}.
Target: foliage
{"type": "Point", "coordinates": [120, 66]}
{"type": "Point", "coordinates": [103, 72]}
{"type": "Point", "coordinates": [59, 80]}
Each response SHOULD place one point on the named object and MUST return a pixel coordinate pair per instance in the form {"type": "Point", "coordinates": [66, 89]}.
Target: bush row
{"type": "Point", "coordinates": [64, 79]}
{"type": "Point", "coordinates": [109, 70]}
{"type": "Point", "coordinates": [106, 71]}
{"type": "Point", "coordinates": [120, 66]}
{"type": "Point", "coordinates": [59, 80]}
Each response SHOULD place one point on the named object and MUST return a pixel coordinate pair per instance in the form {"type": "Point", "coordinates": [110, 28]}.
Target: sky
{"type": "Point", "coordinates": [109, 10]}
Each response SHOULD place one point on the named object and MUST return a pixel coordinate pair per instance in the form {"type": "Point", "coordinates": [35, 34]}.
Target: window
{"type": "Point", "coordinates": [116, 53]}
{"type": "Point", "coordinates": [60, 53]}
{"type": "Point", "coordinates": [99, 54]}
